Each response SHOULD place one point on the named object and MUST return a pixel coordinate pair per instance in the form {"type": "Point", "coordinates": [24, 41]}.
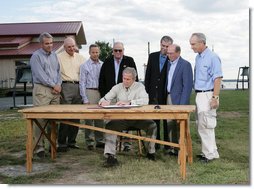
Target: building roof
{"type": "Point", "coordinates": [27, 50]}
{"type": "Point", "coordinates": [36, 28]}
{"type": "Point", "coordinates": [16, 39]}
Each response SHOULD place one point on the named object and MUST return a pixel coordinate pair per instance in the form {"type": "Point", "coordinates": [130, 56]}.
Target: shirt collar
{"type": "Point", "coordinates": [163, 56]}
{"type": "Point", "coordinates": [175, 61]}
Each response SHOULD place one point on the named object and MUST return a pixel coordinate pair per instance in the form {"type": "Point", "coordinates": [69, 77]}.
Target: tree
{"type": "Point", "coordinates": [106, 49]}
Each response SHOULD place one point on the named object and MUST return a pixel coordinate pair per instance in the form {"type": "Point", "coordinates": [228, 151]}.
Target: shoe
{"type": "Point", "coordinates": [90, 147]}
{"type": "Point", "coordinates": [111, 161]}
{"type": "Point", "coordinates": [126, 149]}
{"type": "Point", "coordinates": [151, 156]}
{"type": "Point", "coordinates": [173, 153]}
{"type": "Point", "coordinates": [74, 146]}
{"type": "Point", "coordinates": [62, 149]}
{"type": "Point", "coordinates": [200, 156]}
{"type": "Point", "coordinates": [100, 145]}
{"type": "Point", "coordinates": [205, 160]}
{"type": "Point", "coordinates": [41, 154]}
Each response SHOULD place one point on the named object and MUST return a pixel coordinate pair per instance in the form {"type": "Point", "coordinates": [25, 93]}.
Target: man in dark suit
{"type": "Point", "coordinates": [112, 71]}
{"type": "Point", "coordinates": [178, 88]}
{"type": "Point", "coordinates": [155, 79]}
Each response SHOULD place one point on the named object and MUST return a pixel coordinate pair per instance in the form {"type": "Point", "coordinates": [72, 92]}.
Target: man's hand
{"type": "Point", "coordinates": [214, 103]}
{"type": "Point", "coordinates": [104, 103]}
{"type": "Point", "coordinates": [56, 89]}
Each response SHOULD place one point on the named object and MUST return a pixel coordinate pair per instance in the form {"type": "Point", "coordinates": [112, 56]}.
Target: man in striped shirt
{"type": "Point", "coordinates": [89, 83]}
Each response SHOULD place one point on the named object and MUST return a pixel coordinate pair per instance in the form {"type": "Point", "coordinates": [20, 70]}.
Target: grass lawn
{"type": "Point", "coordinates": [233, 167]}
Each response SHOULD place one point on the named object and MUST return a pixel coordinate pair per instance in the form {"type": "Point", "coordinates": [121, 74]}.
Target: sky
{"type": "Point", "coordinates": [137, 22]}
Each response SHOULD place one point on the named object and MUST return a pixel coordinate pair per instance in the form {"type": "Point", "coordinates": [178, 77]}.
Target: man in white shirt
{"type": "Point", "coordinates": [128, 92]}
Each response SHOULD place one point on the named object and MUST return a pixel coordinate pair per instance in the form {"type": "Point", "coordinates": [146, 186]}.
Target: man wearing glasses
{"type": "Point", "coordinates": [112, 71]}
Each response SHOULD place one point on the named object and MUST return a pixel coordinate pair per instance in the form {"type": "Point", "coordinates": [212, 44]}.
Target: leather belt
{"type": "Point", "coordinates": [73, 82]}
{"type": "Point", "coordinates": [93, 88]}
{"type": "Point", "coordinates": [203, 91]}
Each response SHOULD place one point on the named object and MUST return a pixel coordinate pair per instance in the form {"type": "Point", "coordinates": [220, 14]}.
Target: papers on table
{"type": "Point", "coordinates": [120, 106]}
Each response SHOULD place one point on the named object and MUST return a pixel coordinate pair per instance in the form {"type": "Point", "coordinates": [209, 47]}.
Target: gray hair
{"type": "Point", "coordinates": [130, 70]}
{"type": "Point", "coordinates": [177, 48]}
{"type": "Point", "coordinates": [44, 35]}
{"type": "Point", "coordinates": [167, 39]}
{"type": "Point", "coordinates": [201, 37]}
{"type": "Point", "coordinates": [118, 42]}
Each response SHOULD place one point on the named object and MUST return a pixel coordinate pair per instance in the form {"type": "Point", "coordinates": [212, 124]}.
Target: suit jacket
{"type": "Point", "coordinates": [182, 82]}
{"type": "Point", "coordinates": [107, 73]}
{"type": "Point", "coordinates": [155, 80]}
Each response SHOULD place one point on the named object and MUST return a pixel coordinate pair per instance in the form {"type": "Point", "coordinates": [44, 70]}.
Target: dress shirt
{"type": "Point", "coordinates": [136, 94]}
{"type": "Point", "coordinates": [89, 77]}
{"type": "Point", "coordinates": [171, 73]}
{"type": "Point", "coordinates": [162, 61]}
{"type": "Point", "coordinates": [117, 66]}
{"type": "Point", "coordinates": [70, 65]}
{"type": "Point", "coordinates": [207, 69]}
{"type": "Point", "coordinates": [45, 68]}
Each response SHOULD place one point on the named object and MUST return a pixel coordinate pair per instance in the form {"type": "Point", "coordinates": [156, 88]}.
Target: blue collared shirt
{"type": "Point", "coordinates": [171, 72]}
{"type": "Point", "coordinates": [89, 77]}
{"type": "Point", "coordinates": [207, 69]}
{"type": "Point", "coordinates": [162, 61]}
{"type": "Point", "coordinates": [45, 68]}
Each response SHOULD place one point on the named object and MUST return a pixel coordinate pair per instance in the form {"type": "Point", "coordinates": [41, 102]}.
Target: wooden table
{"type": "Point", "coordinates": [60, 113]}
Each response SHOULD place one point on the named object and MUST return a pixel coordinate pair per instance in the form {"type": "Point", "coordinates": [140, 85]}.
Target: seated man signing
{"type": "Point", "coordinates": [126, 93]}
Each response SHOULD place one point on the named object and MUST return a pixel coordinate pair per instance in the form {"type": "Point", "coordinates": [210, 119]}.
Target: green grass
{"type": "Point", "coordinates": [232, 136]}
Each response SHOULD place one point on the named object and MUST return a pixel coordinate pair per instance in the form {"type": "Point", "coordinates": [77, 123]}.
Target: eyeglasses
{"type": "Point", "coordinates": [118, 50]}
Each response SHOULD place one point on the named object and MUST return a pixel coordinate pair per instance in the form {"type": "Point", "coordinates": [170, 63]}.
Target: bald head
{"type": "Point", "coordinates": [173, 52]}
{"type": "Point", "coordinates": [70, 45]}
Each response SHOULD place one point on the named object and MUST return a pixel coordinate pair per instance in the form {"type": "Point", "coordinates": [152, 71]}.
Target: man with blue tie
{"type": "Point", "coordinates": [178, 87]}
{"type": "Point", "coordinates": [155, 79]}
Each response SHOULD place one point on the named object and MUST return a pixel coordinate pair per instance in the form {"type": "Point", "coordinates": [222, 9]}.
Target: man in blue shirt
{"type": "Point", "coordinates": [207, 82]}
{"type": "Point", "coordinates": [46, 80]}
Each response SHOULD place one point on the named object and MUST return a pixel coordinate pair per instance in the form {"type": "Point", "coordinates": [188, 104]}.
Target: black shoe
{"type": "Point", "coordinates": [205, 160]}
{"type": "Point", "coordinates": [90, 147]}
{"type": "Point", "coordinates": [62, 149]}
{"type": "Point", "coordinates": [100, 145]}
{"type": "Point", "coordinates": [200, 156]}
{"type": "Point", "coordinates": [151, 156]}
{"type": "Point", "coordinates": [173, 153]}
{"type": "Point", "coordinates": [111, 161]}
{"type": "Point", "coordinates": [41, 154]}
{"type": "Point", "coordinates": [74, 146]}
{"type": "Point", "coordinates": [126, 149]}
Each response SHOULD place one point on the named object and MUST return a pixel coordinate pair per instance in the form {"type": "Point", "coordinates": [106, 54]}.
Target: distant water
{"type": "Point", "coordinates": [231, 84]}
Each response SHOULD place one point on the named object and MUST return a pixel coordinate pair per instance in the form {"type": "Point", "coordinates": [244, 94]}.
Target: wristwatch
{"type": "Point", "coordinates": [215, 97]}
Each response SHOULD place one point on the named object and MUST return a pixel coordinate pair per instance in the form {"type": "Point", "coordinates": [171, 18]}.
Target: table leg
{"type": "Point", "coordinates": [182, 149]}
{"type": "Point", "coordinates": [53, 139]}
{"type": "Point", "coordinates": [29, 145]}
{"type": "Point", "coordinates": [188, 142]}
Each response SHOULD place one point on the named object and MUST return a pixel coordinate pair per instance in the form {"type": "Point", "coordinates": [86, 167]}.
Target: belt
{"type": "Point", "coordinates": [203, 91]}
{"type": "Point", "coordinates": [93, 88]}
{"type": "Point", "coordinates": [74, 82]}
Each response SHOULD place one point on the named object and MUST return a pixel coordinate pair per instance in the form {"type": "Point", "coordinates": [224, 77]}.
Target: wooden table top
{"type": "Point", "coordinates": [63, 108]}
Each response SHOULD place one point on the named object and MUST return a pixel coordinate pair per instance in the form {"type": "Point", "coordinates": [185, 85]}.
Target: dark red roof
{"type": "Point", "coordinates": [14, 41]}
{"type": "Point", "coordinates": [19, 39]}
{"type": "Point", "coordinates": [35, 28]}
{"type": "Point", "coordinates": [27, 50]}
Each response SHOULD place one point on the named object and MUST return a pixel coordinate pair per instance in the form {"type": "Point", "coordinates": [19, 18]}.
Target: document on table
{"type": "Point", "coordinates": [121, 106]}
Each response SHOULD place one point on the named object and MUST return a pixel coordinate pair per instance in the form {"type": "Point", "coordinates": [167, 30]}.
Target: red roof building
{"type": "Point", "coordinates": [18, 41]}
